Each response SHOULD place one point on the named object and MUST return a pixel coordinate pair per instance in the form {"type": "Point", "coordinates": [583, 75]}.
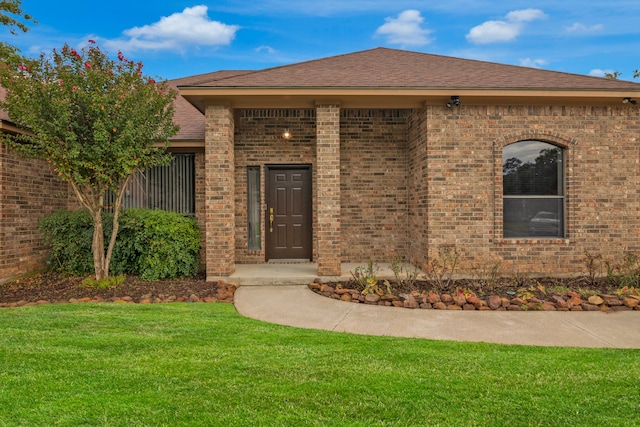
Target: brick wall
{"type": "Point", "coordinates": [328, 197]}
{"type": "Point", "coordinates": [29, 190]}
{"type": "Point", "coordinates": [259, 142]}
{"type": "Point", "coordinates": [464, 176]}
{"type": "Point", "coordinates": [219, 191]}
{"type": "Point", "coordinates": [373, 182]}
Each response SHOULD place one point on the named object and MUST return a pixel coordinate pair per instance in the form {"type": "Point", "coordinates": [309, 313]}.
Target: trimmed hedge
{"type": "Point", "coordinates": [152, 244]}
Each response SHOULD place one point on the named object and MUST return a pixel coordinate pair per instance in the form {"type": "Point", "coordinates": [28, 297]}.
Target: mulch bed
{"type": "Point", "coordinates": [545, 294]}
{"type": "Point", "coordinates": [47, 288]}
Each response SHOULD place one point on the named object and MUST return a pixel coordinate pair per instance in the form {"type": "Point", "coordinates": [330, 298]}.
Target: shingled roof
{"type": "Point", "coordinates": [190, 120]}
{"type": "Point", "coordinates": [391, 68]}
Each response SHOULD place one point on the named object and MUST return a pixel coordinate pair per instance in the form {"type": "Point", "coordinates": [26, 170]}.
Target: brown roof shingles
{"type": "Point", "coordinates": [391, 68]}
{"type": "Point", "coordinates": [191, 120]}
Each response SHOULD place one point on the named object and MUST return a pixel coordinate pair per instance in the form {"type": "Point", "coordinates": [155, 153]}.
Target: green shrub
{"type": "Point", "coordinates": [157, 244]}
{"type": "Point", "coordinates": [69, 235]}
{"type": "Point", "coordinates": [151, 244]}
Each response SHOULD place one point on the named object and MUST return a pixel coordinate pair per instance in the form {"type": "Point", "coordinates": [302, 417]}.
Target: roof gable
{"type": "Point", "coordinates": [391, 68]}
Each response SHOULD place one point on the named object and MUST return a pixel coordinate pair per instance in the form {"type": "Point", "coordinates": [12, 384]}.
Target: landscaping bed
{"type": "Point", "coordinates": [546, 294]}
{"type": "Point", "coordinates": [47, 288]}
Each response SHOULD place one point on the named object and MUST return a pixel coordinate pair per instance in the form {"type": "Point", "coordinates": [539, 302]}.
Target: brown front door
{"type": "Point", "coordinates": [288, 215]}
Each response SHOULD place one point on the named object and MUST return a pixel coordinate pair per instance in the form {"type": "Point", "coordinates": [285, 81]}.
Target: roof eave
{"type": "Point", "coordinates": [394, 97]}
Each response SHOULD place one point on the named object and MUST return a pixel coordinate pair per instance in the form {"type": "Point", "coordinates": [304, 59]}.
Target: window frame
{"type": "Point", "coordinates": [562, 197]}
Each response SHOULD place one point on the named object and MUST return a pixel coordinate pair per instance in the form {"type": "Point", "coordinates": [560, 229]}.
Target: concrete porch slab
{"type": "Point", "coordinates": [284, 274]}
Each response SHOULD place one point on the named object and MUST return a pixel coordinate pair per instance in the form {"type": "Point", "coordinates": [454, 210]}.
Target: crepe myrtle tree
{"type": "Point", "coordinates": [13, 18]}
{"type": "Point", "coordinates": [96, 120]}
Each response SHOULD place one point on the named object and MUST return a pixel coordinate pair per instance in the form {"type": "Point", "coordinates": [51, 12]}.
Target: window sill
{"type": "Point", "coordinates": [532, 241]}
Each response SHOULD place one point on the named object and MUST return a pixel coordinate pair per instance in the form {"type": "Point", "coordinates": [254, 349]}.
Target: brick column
{"type": "Point", "coordinates": [219, 192]}
{"type": "Point", "coordinates": [328, 185]}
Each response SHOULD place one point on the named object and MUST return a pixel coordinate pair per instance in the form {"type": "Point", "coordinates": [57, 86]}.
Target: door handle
{"type": "Point", "coordinates": [270, 220]}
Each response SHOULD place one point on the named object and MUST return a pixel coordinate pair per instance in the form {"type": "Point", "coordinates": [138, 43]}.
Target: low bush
{"type": "Point", "coordinates": [151, 244]}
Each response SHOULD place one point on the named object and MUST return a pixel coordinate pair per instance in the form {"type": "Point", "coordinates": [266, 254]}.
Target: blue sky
{"type": "Point", "coordinates": [181, 38]}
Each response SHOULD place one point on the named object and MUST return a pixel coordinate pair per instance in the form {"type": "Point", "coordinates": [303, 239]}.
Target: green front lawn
{"type": "Point", "coordinates": [203, 364]}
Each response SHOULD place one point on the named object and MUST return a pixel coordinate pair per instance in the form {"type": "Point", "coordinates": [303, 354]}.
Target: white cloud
{"type": "Point", "coordinates": [583, 29]}
{"type": "Point", "coordinates": [405, 30]}
{"type": "Point", "coordinates": [191, 27]}
{"type": "Point", "coordinates": [597, 72]}
{"type": "Point", "coordinates": [525, 15]}
{"type": "Point", "coordinates": [533, 63]}
{"type": "Point", "coordinates": [267, 49]}
{"type": "Point", "coordinates": [505, 30]}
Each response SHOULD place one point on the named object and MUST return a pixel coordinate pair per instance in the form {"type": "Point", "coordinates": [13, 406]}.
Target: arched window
{"type": "Point", "coordinates": [533, 190]}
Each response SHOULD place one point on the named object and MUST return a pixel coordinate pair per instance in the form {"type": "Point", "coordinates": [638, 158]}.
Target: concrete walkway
{"type": "Point", "coordinates": [297, 305]}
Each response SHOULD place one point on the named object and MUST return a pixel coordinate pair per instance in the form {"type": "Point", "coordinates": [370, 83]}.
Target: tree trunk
{"type": "Point", "coordinates": [97, 247]}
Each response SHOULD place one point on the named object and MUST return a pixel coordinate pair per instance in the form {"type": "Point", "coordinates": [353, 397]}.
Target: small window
{"type": "Point", "coordinates": [253, 208]}
{"type": "Point", "coordinates": [169, 188]}
{"type": "Point", "coordinates": [533, 190]}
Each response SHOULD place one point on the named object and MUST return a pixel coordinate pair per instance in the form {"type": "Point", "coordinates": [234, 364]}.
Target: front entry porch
{"type": "Point", "coordinates": [270, 274]}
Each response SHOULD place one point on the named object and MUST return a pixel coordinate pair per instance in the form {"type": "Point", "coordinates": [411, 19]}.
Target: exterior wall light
{"type": "Point", "coordinates": [629, 101]}
{"type": "Point", "coordinates": [286, 134]}
{"type": "Point", "coordinates": [455, 100]}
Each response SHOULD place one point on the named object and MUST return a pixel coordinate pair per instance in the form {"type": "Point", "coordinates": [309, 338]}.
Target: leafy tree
{"type": "Point", "coordinates": [616, 74]}
{"type": "Point", "coordinates": [95, 120]}
{"type": "Point", "coordinates": [12, 17]}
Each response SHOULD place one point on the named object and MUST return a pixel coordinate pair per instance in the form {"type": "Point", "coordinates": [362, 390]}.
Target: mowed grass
{"type": "Point", "coordinates": [203, 364]}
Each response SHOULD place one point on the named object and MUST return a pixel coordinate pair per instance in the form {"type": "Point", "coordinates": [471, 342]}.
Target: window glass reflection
{"type": "Point", "coordinates": [532, 168]}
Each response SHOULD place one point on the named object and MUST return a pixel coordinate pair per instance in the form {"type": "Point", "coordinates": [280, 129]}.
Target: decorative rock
{"type": "Point", "coordinates": [454, 307]}
{"type": "Point", "coordinates": [404, 296]}
{"type": "Point", "coordinates": [613, 302]}
{"type": "Point", "coordinates": [560, 302]}
{"type": "Point", "coordinates": [574, 302]}
{"type": "Point", "coordinates": [548, 306]}
{"type": "Point", "coordinates": [410, 303]}
{"type": "Point", "coordinates": [505, 302]}
{"type": "Point", "coordinates": [595, 300]}
{"type": "Point", "coordinates": [605, 308]}
{"type": "Point", "coordinates": [533, 306]}
{"type": "Point", "coordinates": [576, 307]}
{"type": "Point", "coordinates": [372, 298]}
{"type": "Point", "coordinates": [343, 291]}
{"type": "Point", "coordinates": [327, 288]}
{"type": "Point", "coordinates": [314, 286]}
{"type": "Point", "coordinates": [494, 302]}
{"type": "Point", "coordinates": [209, 299]}
{"type": "Point", "coordinates": [630, 302]}
{"type": "Point", "coordinates": [42, 302]}
{"type": "Point", "coordinates": [440, 306]}
{"type": "Point", "coordinates": [145, 301]}
{"type": "Point", "coordinates": [517, 301]}
{"type": "Point", "coordinates": [346, 297]}
{"type": "Point", "coordinates": [446, 298]}
{"type": "Point", "coordinates": [433, 298]}
{"type": "Point", "coordinates": [472, 299]}
{"type": "Point", "coordinates": [426, 305]}
{"type": "Point", "coordinates": [127, 298]}
{"type": "Point", "coordinates": [589, 307]}
{"type": "Point", "coordinates": [468, 307]}
{"type": "Point", "coordinates": [460, 300]}
{"type": "Point", "coordinates": [170, 298]}
{"type": "Point", "coordinates": [397, 303]}
{"type": "Point", "coordinates": [514, 307]}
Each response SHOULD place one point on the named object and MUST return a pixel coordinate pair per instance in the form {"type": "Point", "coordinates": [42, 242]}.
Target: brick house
{"type": "Point", "coordinates": [384, 153]}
